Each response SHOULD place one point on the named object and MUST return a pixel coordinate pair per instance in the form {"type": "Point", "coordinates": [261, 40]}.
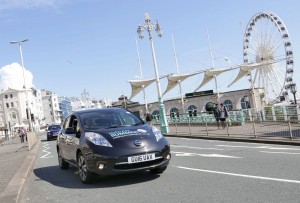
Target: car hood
{"type": "Point", "coordinates": [132, 136]}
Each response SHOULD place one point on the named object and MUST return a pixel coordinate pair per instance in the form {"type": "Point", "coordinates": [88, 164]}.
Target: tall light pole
{"type": "Point", "coordinates": [28, 112]}
{"type": "Point", "coordinates": [148, 26]}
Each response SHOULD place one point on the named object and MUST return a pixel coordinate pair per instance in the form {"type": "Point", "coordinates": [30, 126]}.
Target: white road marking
{"type": "Point", "coordinates": [45, 146]}
{"type": "Point", "coordinates": [204, 155]}
{"type": "Point", "coordinates": [280, 152]}
{"type": "Point", "coordinates": [182, 146]}
{"type": "Point", "coordinates": [260, 147]}
{"type": "Point", "coordinates": [239, 175]}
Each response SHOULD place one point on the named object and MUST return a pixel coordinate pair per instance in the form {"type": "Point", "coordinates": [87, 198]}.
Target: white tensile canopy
{"type": "Point", "coordinates": [244, 70]}
{"type": "Point", "coordinates": [174, 80]}
{"type": "Point", "coordinates": [210, 74]}
{"type": "Point", "coordinates": [138, 85]}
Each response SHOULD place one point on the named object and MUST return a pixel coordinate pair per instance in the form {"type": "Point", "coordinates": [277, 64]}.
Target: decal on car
{"type": "Point", "coordinates": [124, 133]}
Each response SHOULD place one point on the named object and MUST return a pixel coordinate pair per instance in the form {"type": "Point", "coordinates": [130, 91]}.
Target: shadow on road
{"type": "Point", "coordinates": [70, 178]}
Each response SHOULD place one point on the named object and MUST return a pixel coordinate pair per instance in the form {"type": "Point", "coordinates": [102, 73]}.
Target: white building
{"type": "Point", "coordinates": [51, 108]}
{"type": "Point", "coordinates": [13, 108]}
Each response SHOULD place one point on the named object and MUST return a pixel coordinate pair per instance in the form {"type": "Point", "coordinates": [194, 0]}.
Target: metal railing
{"type": "Point", "coordinates": [282, 123]}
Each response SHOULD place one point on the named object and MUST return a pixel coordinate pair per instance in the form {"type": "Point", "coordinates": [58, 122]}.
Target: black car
{"type": "Point", "coordinates": [52, 131]}
{"type": "Point", "coordinates": [110, 141]}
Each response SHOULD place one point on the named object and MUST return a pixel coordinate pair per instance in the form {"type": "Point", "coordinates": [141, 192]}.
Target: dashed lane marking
{"type": "Point", "coordinates": [205, 155]}
{"type": "Point", "coordinates": [182, 146]}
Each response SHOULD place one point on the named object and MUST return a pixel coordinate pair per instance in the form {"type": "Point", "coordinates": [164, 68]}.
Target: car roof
{"type": "Point", "coordinates": [98, 110]}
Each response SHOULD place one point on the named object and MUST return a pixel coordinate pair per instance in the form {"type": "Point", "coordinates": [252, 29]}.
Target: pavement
{"type": "Point", "coordinates": [16, 164]}
{"type": "Point", "coordinates": [17, 161]}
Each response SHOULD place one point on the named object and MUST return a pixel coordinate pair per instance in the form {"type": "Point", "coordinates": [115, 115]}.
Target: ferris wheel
{"type": "Point", "coordinates": [267, 43]}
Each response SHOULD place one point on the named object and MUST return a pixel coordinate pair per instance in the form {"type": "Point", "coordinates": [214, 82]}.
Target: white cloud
{"type": "Point", "coordinates": [11, 76]}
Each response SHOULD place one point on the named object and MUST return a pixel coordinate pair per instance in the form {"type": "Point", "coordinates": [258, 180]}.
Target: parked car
{"type": "Point", "coordinates": [52, 131]}
{"type": "Point", "coordinates": [110, 141]}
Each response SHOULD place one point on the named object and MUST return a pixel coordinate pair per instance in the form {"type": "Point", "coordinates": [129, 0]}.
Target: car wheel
{"type": "Point", "coordinates": [48, 138]}
{"type": "Point", "coordinates": [62, 163]}
{"type": "Point", "coordinates": [158, 170]}
{"type": "Point", "coordinates": [84, 173]}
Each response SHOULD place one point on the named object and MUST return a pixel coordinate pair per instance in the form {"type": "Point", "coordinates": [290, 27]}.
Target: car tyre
{"type": "Point", "coordinates": [62, 163]}
{"type": "Point", "coordinates": [48, 138]}
{"type": "Point", "coordinates": [158, 170]}
{"type": "Point", "coordinates": [85, 175]}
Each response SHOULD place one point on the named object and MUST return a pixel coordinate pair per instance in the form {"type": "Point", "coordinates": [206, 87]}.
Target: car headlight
{"type": "Point", "coordinates": [97, 139]}
{"type": "Point", "coordinates": [157, 133]}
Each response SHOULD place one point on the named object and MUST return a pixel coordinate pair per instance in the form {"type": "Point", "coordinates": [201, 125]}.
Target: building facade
{"type": "Point", "coordinates": [202, 102]}
{"type": "Point", "coordinates": [51, 109]}
{"type": "Point", "coordinates": [14, 111]}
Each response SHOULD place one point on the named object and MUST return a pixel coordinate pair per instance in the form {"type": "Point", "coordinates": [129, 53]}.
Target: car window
{"type": "Point", "coordinates": [106, 119]}
{"type": "Point", "coordinates": [54, 127]}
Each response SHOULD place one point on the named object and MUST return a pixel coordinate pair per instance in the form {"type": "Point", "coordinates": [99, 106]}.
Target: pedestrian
{"type": "Point", "coordinates": [149, 118]}
{"type": "Point", "coordinates": [22, 134]}
{"type": "Point", "coordinates": [223, 114]}
{"type": "Point", "coordinates": [6, 134]}
{"type": "Point", "coordinates": [216, 112]}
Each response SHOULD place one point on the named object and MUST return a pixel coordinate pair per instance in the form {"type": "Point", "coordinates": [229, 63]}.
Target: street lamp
{"type": "Point", "coordinates": [215, 76]}
{"type": "Point", "coordinates": [28, 112]}
{"type": "Point", "coordinates": [294, 91]}
{"type": "Point", "coordinates": [148, 26]}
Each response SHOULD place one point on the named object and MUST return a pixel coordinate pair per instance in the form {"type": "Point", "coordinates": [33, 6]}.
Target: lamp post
{"type": "Point", "coordinates": [28, 112]}
{"type": "Point", "coordinates": [148, 26]}
{"type": "Point", "coordinates": [215, 77]}
{"type": "Point", "coordinates": [294, 91]}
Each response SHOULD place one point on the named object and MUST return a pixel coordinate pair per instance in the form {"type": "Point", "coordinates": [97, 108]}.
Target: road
{"type": "Point", "coordinates": [200, 171]}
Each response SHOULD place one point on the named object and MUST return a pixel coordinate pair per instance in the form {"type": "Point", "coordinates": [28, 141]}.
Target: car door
{"type": "Point", "coordinates": [72, 139]}
{"type": "Point", "coordinates": [62, 137]}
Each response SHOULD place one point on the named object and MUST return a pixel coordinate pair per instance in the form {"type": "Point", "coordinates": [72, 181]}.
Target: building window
{"type": "Point", "coordinates": [209, 107]}
{"type": "Point", "coordinates": [155, 114]}
{"type": "Point", "coordinates": [50, 105]}
{"type": "Point", "coordinates": [13, 115]}
{"type": "Point", "coordinates": [11, 96]}
{"type": "Point", "coordinates": [245, 104]}
{"type": "Point", "coordinates": [174, 112]}
{"type": "Point", "coordinates": [228, 105]}
{"type": "Point", "coordinates": [12, 104]}
{"type": "Point", "coordinates": [192, 110]}
{"type": "Point", "coordinates": [51, 113]}
{"type": "Point", "coordinates": [6, 96]}
{"type": "Point", "coordinates": [7, 105]}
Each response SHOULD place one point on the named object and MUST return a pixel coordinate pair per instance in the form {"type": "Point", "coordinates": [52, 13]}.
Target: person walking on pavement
{"type": "Point", "coordinates": [22, 134]}
{"type": "Point", "coordinates": [223, 115]}
{"type": "Point", "coordinates": [216, 113]}
{"type": "Point", "coordinates": [149, 118]}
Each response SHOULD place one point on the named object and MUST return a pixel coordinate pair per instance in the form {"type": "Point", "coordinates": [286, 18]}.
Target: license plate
{"type": "Point", "coordinates": [141, 158]}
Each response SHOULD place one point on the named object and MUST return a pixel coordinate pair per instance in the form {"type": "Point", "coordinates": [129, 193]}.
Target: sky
{"type": "Point", "coordinates": [77, 45]}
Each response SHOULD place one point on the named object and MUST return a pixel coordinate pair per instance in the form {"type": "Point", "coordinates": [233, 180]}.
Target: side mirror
{"type": "Point", "coordinates": [70, 130]}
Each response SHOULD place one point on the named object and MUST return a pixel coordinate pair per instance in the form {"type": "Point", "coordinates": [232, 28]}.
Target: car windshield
{"type": "Point", "coordinates": [109, 119]}
{"type": "Point", "coordinates": [54, 127]}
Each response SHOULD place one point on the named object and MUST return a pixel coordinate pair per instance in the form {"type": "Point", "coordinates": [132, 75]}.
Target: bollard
{"type": "Point", "coordinates": [190, 125]}
{"type": "Point", "coordinates": [290, 128]}
{"type": "Point", "coordinates": [176, 127]}
{"type": "Point", "coordinates": [253, 124]}
{"type": "Point", "coordinates": [206, 129]}
{"type": "Point", "coordinates": [227, 128]}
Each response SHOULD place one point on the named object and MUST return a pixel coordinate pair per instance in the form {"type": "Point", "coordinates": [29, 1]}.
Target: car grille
{"type": "Point", "coordinates": [138, 165]}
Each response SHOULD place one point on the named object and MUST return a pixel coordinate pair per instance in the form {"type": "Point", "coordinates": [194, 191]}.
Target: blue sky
{"type": "Point", "coordinates": [91, 44]}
